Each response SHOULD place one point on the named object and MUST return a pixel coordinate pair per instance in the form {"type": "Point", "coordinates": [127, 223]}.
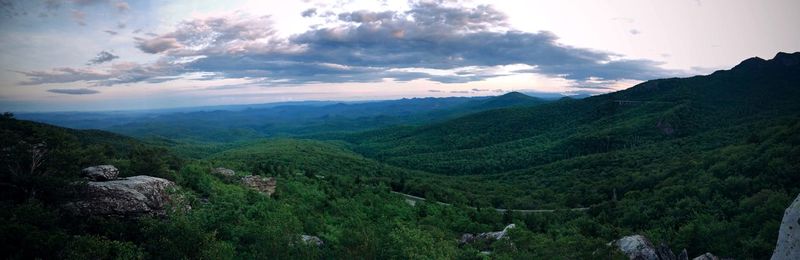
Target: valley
{"type": "Point", "coordinates": [705, 164]}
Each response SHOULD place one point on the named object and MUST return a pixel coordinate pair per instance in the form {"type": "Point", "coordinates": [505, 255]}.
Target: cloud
{"type": "Point", "coordinates": [79, 17]}
{"type": "Point", "coordinates": [224, 35]}
{"type": "Point", "coordinates": [110, 32]}
{"type": "Point", "coordinates": [432, 40]}
{"type": "Point", "coordinates": [118, 73]}
{"type": "Point", "coordinates": [51, 5]}
{"type": "Point", "coordinates": [63, 75]}
{"type": "Point", "coordinates": [87, 2]}
{"type": "Point", "coordinates": [156, 45]}
{"type": "Point", "coordinates": [309, 12]}
{"type": "Point", "coordinates": [102, 57]}
{"type": "Point", "coordinates": [74, 91]}
{"type": "Point", "coordinates": [122, 6]}
{"type": "Point", "coordinates": [634, 32]}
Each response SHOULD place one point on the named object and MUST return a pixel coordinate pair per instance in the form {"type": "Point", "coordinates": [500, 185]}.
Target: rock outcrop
{"type": "Point", "coordinates": [706, 256]}
{"type": "Point", "coordinates": [265, 185]}
{"type": "Point", "coordinates": [223, 171]}
{"type": "Point", "coordinates": [788, 245]}
{"type": "Point", "coordinates": [127, 197]}
{"type": "Point", "coordinates": [486, 237]}
{"type": "Point", "coordinates": [665, 253]}
{"type": "Point", "coordinates": [684, 255]}
{"type": "Point", "coordinates": [637, 247]}
{"type": "Point", "coordinates": [100, 173]}
{"type": "Point", "coordinates": [312, 240]}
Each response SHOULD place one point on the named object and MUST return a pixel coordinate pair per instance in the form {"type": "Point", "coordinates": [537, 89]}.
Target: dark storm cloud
{"type": "Point", "coordinates": [73, 91]}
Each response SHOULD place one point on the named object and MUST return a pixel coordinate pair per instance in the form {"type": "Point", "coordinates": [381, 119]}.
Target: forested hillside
{"type": "Point", "coordinates": [662, 157]}
{"type": "Point", "coordinates": [654, 111]}
{"type": "Point", "coordinates": [707, 163]}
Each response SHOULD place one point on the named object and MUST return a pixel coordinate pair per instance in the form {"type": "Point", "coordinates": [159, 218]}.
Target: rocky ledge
{"type": "Point", "coordinates": [264, 185]}
{"type": "Point", "coordinates": [486, 237]}
{"type": "Point", "coordinates": [788, 245]}
{"type": "Point", "coordinates": [100, 173]}
{"type": "Point", "coordinates": [124, 197]}
{"type": "Point", "coordinates": [638, 247]}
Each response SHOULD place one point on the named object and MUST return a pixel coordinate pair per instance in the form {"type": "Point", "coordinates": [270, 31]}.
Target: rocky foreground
{"type": "Point", "coordinates": [787, 247]}
{"type": "Point", "coordinates": [107, 195]}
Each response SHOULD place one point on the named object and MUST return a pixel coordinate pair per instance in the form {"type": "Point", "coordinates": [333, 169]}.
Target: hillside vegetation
{"type": "Point", "coordinates": [707, 163]}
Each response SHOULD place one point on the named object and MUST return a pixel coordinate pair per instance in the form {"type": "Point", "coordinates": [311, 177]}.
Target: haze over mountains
{"type": "Point", "coordinates": [295, 118]}
{"type": "Point", "coordinates": [704, 163]}
{"type": "Point", "coordinates": [399, 129]}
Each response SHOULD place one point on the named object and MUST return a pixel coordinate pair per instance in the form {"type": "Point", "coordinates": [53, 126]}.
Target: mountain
{"type": "Point", "coordinates": [653, 111]}
{"type": "Point", "coordinates": [511, 99]}
{"type": "Point", "coordinates": [705, 164]}
{"type": "Point", "coordinates": [687, 159]}
{"type": "Point", "coordinates": [226, 124]}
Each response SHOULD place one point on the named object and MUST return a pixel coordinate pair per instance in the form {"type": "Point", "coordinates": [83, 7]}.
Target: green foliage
{"type": "Point", "coordinates": [91, 247]}
{"type": "Point", "coordinates": [706, 163]}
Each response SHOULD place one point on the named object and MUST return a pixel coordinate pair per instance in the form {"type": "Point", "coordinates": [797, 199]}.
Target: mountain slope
{"type": "Point", "coordinates": [655, 111]}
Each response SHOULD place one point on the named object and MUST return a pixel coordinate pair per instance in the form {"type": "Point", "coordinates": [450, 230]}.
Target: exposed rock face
{"type": "Point", "coordinates": [665, 253]}
{"type": "Point", "coordinates": [637, 247]}
{"type": "Point", "coordinates": [788, 246]}
{"type": "Point", "coordinates": [683, 255]}
{"type": "Point", "coordinates": [706, 256]}
{"type": "Point", "coordinates": [127, 197]}
{"type": "Point", "coordinates": [312, 240]}
{"type": "Point", "coordinates": [261, 184]}
{"type": "Point", "coordinates": [100, 173]}
{"type": "Point", "coordinates": [223, 171]}
{"type": "Point", "coordinates": [486, 236]}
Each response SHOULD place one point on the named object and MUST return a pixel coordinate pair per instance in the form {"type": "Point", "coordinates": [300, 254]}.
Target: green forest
{"type": "Point", "coordinates": [706, 164]}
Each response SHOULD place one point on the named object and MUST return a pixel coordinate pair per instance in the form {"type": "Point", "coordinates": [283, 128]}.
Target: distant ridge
{"type": "Point", "coordinates": [651, 112]}
{"type": "Point", "coordinates": [510, 99]}
{"type": "Point", "coordinates": [781, 60]}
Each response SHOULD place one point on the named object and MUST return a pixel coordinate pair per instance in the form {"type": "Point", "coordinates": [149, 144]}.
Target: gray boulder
{"type": "Point", "coordinates": [706, 256]}
{"type": "Point", "coordinates": [265, 185]}
{"type": "Point", "coordinates": [486, 237]}
{"type": "Point", "coordinates": [223, 171]}
{"type": "Point", "coordinates": [684, 255]}
{"type": "Point", "coordinates": [312, 240]}
{"type": "Point", "coordinates": [128, 197]}
{"type": "Point", "coordinates": [100, 173]}
{"type": "Point", "coordinates": [665, 253]}
{"type": "Point", "coordinates": [637, 247]}
{"type": "Point", "coordinates": [788, 245]}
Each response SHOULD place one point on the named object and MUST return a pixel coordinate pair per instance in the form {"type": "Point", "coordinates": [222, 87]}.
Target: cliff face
{"type": "Point", "coordinates": [788, 246]}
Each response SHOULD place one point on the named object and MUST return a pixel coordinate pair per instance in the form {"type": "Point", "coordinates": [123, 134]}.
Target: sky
{"type": "Point", "coordinates": [85, 55]}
